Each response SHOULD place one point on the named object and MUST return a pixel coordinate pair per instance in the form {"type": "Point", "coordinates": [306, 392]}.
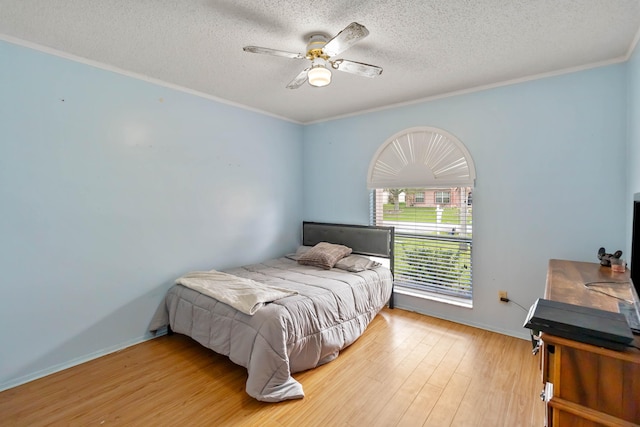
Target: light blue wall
{"type": "Point", "coordinates": [633, 129]}
{"type": "Point", "coordinates": [110, 188]}
{"type": "Point", "coordinates": [550, 163]}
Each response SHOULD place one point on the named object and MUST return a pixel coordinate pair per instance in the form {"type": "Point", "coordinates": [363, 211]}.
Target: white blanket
{"type": "Point", "coordinates": [245, 295]}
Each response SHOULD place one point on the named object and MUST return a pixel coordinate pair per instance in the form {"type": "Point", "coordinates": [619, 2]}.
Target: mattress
{"type": "Point", "coordinates": [330, 310]}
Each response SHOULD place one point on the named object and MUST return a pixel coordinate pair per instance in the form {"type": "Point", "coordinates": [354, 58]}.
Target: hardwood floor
{"type": "Point", "coordinates": [406, 370]}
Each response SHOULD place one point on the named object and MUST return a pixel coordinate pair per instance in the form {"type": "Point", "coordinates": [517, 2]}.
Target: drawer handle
{"type": "Point", "coordinates": [547, 392]}
{"type": "Point", "coordinates": [535, 343]}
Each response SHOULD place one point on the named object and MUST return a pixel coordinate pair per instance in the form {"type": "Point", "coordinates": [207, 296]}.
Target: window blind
{"type": "Point", "coordinates": [433, 236]}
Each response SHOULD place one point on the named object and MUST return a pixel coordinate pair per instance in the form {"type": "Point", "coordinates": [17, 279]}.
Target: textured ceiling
{"type": "Point", "coordinates": [426, 47]}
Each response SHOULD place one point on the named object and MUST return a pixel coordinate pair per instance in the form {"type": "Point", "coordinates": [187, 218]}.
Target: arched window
{"type": "Point", "coordinates": [422, 180]}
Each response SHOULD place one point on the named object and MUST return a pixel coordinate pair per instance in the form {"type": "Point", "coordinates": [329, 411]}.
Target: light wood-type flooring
{"type": "Point", "coordinates": [406, 370]}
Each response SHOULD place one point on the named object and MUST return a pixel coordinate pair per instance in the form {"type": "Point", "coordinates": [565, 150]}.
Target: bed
{"type": "Point", "coordinates": [322, 311]}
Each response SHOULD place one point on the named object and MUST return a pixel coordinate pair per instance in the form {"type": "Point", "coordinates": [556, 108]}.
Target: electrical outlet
{"type": "Point", "coordinates": [502, 296]}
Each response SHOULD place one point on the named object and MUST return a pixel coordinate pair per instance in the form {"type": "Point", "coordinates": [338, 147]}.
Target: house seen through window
{"type": "Point", "coordinates": [421, 181]}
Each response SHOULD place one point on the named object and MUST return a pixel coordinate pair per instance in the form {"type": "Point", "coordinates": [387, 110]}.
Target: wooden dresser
{"type": "Point", "coordinates": [587, 385]}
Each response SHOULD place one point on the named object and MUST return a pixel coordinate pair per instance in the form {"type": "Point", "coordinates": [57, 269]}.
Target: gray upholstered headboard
{"type": "Point", "coordinates": [363, 239]}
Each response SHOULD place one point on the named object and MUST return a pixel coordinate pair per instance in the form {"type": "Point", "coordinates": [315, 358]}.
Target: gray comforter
{"type": "Point", "coordinates": [293, 334]}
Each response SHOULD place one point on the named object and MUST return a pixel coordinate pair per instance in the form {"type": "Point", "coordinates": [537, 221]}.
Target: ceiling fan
{"type": "Point", "coordinates": [320, 51]}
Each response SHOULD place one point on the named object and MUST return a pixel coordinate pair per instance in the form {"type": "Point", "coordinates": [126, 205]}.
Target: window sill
{"type": "Point", "coordinates": [460, 302]}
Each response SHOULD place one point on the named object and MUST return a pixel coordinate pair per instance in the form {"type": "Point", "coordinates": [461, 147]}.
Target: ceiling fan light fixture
{"type": "Point", "coordinates": [319, 76]}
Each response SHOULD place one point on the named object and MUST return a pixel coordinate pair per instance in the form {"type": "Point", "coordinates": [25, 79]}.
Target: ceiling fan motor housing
{"type": "Point", "coordinates": [315, 45]}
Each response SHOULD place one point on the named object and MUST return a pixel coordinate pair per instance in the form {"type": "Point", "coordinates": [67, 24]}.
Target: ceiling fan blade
{"type": "Point", "coordinates": [274, 52]}
{"type": "Point", "coordinates": [346, 38]}
{"type": "Point", "coordinates": [358, 68]}
{"type": "Point", "coordinates": [299, 79]}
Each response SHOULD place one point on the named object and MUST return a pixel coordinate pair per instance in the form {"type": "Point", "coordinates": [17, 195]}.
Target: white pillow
{"type": "Point", "coordinates": [356, 263]}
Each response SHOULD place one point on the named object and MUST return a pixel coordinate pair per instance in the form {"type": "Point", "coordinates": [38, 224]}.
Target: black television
{"type": "Point", "coordinates": [635, 244]}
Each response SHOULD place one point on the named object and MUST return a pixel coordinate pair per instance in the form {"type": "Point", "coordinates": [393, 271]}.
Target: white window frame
{"type": "Point", "coordinates": [430, 159]}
